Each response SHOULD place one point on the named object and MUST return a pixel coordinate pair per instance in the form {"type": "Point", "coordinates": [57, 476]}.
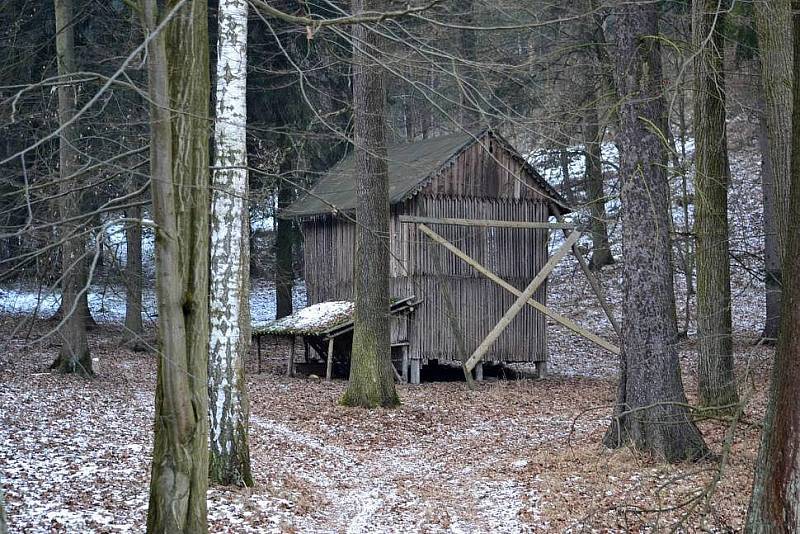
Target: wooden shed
{"type": "Point", "coordinates": [464, 176]}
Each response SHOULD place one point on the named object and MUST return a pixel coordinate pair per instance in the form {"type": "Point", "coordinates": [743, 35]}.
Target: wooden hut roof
{"type": "Point", "coordinates": [411, 165]}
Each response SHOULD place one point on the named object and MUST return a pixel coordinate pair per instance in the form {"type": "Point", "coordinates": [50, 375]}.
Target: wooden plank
{"type": "Point", "coordinates": [510, 288]}
{"type": "Point", "coordinates": [484, 222]}
{"type": "Point", "coordinates": [521, 300]}
{"type": "Point", "coordinates": [598, 289]}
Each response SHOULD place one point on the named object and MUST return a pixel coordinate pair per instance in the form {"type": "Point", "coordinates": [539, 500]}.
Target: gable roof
{"type": "Point", "coordinates": [410, 167]}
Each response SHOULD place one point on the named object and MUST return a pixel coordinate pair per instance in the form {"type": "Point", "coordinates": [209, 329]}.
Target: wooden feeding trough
{"type": "Point", "coordinates": [481, 275]}
{"type": "Point", "coordinates": [327, 329]}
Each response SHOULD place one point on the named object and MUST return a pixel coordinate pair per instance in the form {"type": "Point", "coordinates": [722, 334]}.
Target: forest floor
{"type": "Point", "coordinates": [511, 456]}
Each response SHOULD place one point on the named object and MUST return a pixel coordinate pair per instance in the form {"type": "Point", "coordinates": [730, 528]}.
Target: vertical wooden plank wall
{"type": "Point", "coordinates": [478, 184]}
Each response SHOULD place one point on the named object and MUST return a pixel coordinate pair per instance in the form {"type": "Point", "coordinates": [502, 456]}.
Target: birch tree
{"type": "Point", "coordinates": [178, 83]}
{"type": "Point", "coordinates": [716, 379]}
{"type": "Point", "coordinates": [229, 302]}
{"type": "Point", "coordinates": [371, 376]}
{"type": "Point", "coordinates": [74, 355]}
{"type": "Point", "coordinates": [775, 502]}
{"type": "Point", "coordinates": [651, 411]}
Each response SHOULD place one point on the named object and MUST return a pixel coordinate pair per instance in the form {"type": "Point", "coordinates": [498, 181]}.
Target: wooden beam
{"type": "Point", "coordinates": [522, 299]}
{"type": "Point", "coordinates": [511, 289]}
{"type": "Point", "coordinates": [598, 289]}
{"type": "Point", "coordinates": [485, 223]}
{"type": "Point", "coordinates": [329, 363]}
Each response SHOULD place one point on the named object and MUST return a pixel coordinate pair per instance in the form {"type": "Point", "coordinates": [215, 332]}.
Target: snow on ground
{"type": "Point", "coordinates": [107, 302]}
{"type": "Point", "coordinates": [512, 456]}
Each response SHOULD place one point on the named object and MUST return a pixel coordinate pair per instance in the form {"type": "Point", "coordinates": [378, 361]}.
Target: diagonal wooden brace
{"type": "Point", "coordinates": [521, 300]}
{"type": "Point", "coordinates": [511, 289]}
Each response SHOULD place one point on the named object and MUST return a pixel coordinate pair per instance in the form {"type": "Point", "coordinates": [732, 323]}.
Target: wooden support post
{"type": "Point", "coordinates": [404, 374]}
{"type": "Point", "coordinates": [572, 325]}
{"type": "Point", "coordinates": [521, 300]}
{"type": "Point", "coordinates": [594, 282]}
{"type": "Point", "coordinates": [290, 362]}
{"type": "Point", "coordinates": [329, 363]}
{"type": "Point", "coordinates": [479, 371]}
{"type": "Point", "coordinates": [258, 349]}
{"type": "Point", "coordinates": [415, 371]}
{"type": "Point", "coordinates": [541, 369]}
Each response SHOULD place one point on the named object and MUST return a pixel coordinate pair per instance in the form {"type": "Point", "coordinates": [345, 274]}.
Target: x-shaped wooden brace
{"type": "Point", "coordinates": [523, 297]}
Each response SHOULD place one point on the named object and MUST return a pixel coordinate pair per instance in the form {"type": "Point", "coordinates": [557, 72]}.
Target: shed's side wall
{"type": "Point", "coordinates": [516, 255]}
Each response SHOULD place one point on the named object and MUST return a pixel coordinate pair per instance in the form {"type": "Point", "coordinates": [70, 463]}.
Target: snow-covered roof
{"type": "Point", "coordinates": [314, 319]}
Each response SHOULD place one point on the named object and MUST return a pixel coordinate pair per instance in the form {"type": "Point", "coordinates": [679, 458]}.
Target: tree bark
{"type": "Point", "coordinates": [593, 138]}
{"type": "Point", "coordinates": [775, 502]}
{"type": "Point", "coordinates": [774, 29]}
{"type": "Point", "coordinates": [716, 379]}
{"type": "Point", "coordinates": [651, 411]}
{"type": "Point", "coordinates": [469, 96]}
{"type": "Point", "coordinates": [371, 374]}
{"type": "Point", "coordinates": [133, 274]}
{"type": "Point", "coordinates": [3, 519]}
{"type": "Point", "coordinates": [74, 355]}
{"type": "Point", "coordinates": [229, 463]}
{"type": "Point", "coordinates": [284, 240]}
{"type": "Point", "coordinates": [179, 80]}
{"type": "Point", "coordinates": [772, 254]}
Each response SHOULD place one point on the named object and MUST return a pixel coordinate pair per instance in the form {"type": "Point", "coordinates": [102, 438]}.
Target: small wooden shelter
{"type": "Point", "coordinates": [475, 179]}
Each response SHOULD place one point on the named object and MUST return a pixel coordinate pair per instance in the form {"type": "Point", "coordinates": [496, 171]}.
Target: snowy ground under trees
{"type": "Point", "coordinates": [513, 456]}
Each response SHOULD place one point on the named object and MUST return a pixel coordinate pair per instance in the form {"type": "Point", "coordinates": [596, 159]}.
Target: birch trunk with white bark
{"type": "Point", "coordinates": [229, 329]}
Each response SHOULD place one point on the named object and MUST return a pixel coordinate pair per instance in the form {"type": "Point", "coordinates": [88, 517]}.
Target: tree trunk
{"type": "Point", "coordinates": [716, 379]}
{"type": "Point", "coordinates": [775, 503]}
{"type": "Point", "coordinates": [772, 254]}
{"type": "Point", "coordinates": [371, 374]}
{"type": "Point", "coordinates": [133, 275]}
{"type": "Point", "coordinates": [469, 96]}
{"type": "Point", "coordinates": [178, 80]}
{"type": "Point", "coordinates": [229, 463]}
{"type": "Point", "coordinates": [3, 520]}
{"type": "Point", "coordinates": [650, 413]}
{"type": "Point", "coordinates": [74, 355]}
{"type": "Point", "coordinates": [284, 241]}
{"type": "Point", "coordinates": [774, 29]}
{"type": "Point", "coordinates": [601, 251]}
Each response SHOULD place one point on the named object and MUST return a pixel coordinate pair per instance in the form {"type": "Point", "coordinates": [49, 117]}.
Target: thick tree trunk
{"type": "Point", "coordinates": [371, 375]}
{"type": "Point", "coordinates": [593, 138]}
{"type": "Point", "coordinates": [650, 413]}
{"type": "Point", "coordinates": [74, 355]}
{"type": "Point", "coordinates": [284, 241]}
{"type": "Point", "coordinates": [775, 503]}
{"type": "Point", "coordinates": [716, 379]}
{"type": "Point", "coordinates": [178, 80]}
{"type": "Point", "coordinates": [774, 29]}
{"type": "Point", "coordinates": [229, 345]}
{"type": "Point", "coordinates": [133, 275]}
